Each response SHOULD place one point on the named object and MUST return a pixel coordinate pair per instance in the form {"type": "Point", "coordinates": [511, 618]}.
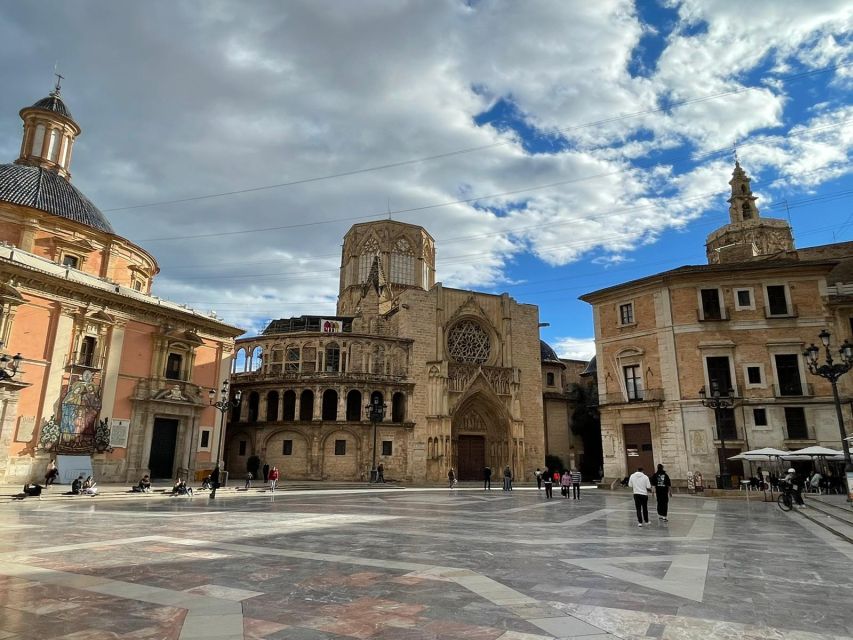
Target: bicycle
{"type": "Point", "coordinates": [786, 497]}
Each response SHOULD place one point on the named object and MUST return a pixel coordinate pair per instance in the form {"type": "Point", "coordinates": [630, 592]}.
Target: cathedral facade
{"type": "Point", "coordinates": [456, 372]}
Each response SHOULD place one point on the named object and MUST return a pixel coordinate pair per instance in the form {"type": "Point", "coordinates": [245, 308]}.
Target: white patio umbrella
{"type": "Point", "coordinates": [767, 452]}
{"type": "Point", "coordinates": [816, 451]}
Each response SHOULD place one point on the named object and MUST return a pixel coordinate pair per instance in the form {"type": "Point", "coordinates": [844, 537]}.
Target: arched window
{"type": "Point", "coordinates": [288, 400]}
{"type": "Point", "coordinates": [333, 357]}
{"type": "Point", "coordinates": [239, 365]}
{"type": "Point", "coordinates": [330, 404]}
{"type": "Point", "coordinates": [365, 260]}
{"type": "Point", "coordinates": [398, 407]}
{"type": "Point", "coordinates": [402, 263]}
{"type": "Point", "coordinates": [549, 379]}
{"type": "Point", "coordinates": [272, 406]}
{"type": "Point", "coordinates": [53, 145]}
{"type": "Point", "coordinates": [378, 365]}
{"type": "Point", "coordinates": [747, 213]}
{"type": "Point", "coordinates": [306, 406]}
{"type": "Point", "coordinates": [309, 359]}
{"type": "Point", "coordinates": [354, 409]}
{"type": "Point", "coordinates": [38, 140]}
{"type": "Point", "coordinates": [257, 356]}
{"type": "Point", "coordinates": [291, 358]}
{"type": "Point", "coordinates": [254, 404]}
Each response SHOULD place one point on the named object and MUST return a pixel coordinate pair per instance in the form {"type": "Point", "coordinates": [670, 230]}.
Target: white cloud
{"type": "Point", "coordinates": [575, 348]}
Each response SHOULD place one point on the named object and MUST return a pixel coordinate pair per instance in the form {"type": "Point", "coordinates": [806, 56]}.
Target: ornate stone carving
{"type": "Point", "coordinates": [468, 342]}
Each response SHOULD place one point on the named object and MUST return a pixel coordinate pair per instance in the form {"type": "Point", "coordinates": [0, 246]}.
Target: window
{"type": "Point", "coordinates": [53, 146]}
{"type": "Point", "coordinates": [242, 449]}
{"type": "Point", "coordinates": [402, 263]}
{"type": "Point", "coordinates": [340, 447]}
{"type": "Point", "coordinates": [205, 439]}
{"type": "Point", "coordinates": [333, 357]}
{"type": "Point", "coordinates": [306, 406]}
{"type": "Point", "coordinates": [747, 214]}
{"type": "Point", "coordinates": [309, 359]}
{"type": "Point", "coordinates": [369, 251]}
{"type": "Point", "coordinates": [549, 377]}
{"type": "Point", "coordinates": [743, 299]}
{"type": "Point", "coordinates": [633, 382]}
{"type": "Point", "coordinates": [626, 313]}
{"type": "Point", "coordinates": [38, 140]}
{"type": "Point", "coordinates": [711, 307]}
{"type": "Point", "coordinates": [173, 366]}
{"type": "Point", "coordinates": [727, 426]}
{"type": "Point", "coordinates": [759, 417]}
{"type": "Point", "coordinates": [291, 359]}
{"type": "Point", "coordinates": [69, 260]}
{"type": "Point", "coordinates": [272, 406]}
{"type": "Point", "coordinates": [719, 374]}
{"type": "Point", "coordinates": [777, 302]}
{"type": "Point", "coordinates": [137, 285]}
{"type": "Point", "coordinates": [398, 407]}
{"type": "Point", "coordinates": [87, 351]}
{"type": "Point", "coordinates": [788, 372]}
{"type": "Point", "coordinates": [795, 421]}
{"type": "Point", "coordinates": [387, 447]}
{"type": "Point", "coordinates": [287, 448]}
{"type": "Point", "coordinates": [753, 375]}
{"type": "Point", "coordinates": [354, 408]}
{"type": "Point", "coordinates": [288, 401]}
{"type": "Point", "coordinates": [254, 405]}
{"type": "Point", "coordinates": [329, 410]}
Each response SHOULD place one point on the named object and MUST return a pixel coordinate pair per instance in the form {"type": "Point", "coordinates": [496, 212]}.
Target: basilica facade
{"type": "Point", "coordinates": [457, 374]}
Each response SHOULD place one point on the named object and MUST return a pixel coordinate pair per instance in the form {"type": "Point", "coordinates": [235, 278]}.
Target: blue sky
{"type": "Point", "coordinates": [551, 148]}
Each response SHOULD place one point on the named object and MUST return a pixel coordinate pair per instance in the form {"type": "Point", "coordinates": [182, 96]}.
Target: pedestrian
{"type": "Point", "coordinates": [273, 478]}
{"type": "Point", "coordinates": [51, 474]}
{"type": "Point", "coordinates": [451, 479]}
{"type": "Point", "coordinates": [249, 478]}
{"type": "Point", "coordinates": [507, 478]}
{"type": "Point", "coordinates": [548, 481]}
{"type": "Point", "coordinates": [663, 491]}
{"type": "Point", "coordinates": [266, 473]}
{"type": "Point", "coordinates": [380, 473]}
{"type": "Point", "coordinates": [639, 483]}
{"type": "Point", "coordinates": [565, 484]}
{"type": "Point", "coordinates": [538, 475]}
{"type": "Point", "coordinates": [576, 484]}
{"type": "Point", "coordinates": [556, 477]}
{"type": "Point", "coordinates": [214, 481]}
{"type": "Point", "coordinates": [487, 479]}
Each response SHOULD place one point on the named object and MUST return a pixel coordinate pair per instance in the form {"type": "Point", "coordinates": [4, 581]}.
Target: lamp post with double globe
{"type": "Point", "coordinates": [719, 403]}
{"type": "Point", "coordinates": [8, 366]}
{"type": "Point", "coordinates": [224, 404]}
{"type": "Point", "coordinates": [376, 414]}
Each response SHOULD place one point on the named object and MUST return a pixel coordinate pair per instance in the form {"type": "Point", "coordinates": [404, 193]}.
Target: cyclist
{"type": "Point", "coordinates": [792, 483]}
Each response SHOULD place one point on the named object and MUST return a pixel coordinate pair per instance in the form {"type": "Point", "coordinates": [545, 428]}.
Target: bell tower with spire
{"type": "Point", "coordinates": [748, 236]}
{"type": "Point", "coordinates": [49, 133]}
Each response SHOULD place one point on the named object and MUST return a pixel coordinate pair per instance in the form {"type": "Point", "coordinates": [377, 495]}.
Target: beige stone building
{"type": "Point", "coordinates": [740, 322]}
{"type": "Point", "coordinates": [458, 370]}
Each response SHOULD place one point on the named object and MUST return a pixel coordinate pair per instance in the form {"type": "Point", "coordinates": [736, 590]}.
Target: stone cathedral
{"type": "Point", "coordinates": [458, 373]}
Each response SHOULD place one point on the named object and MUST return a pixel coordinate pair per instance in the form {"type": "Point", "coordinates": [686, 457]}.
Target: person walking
{"type": "Point", "coordinates": [51, 474]}
{"type": "Point", "coordinates": [451, 478]}
{"type": "Point", "coordinates": [266, 470]}
{"type": "Point", "coordinates": [538, 475]}
{"type": "Point", "coordinates": [576, 484]}
{"type": "Point", "coordinates": [273, 478]}
{"type": "Point", "coordinates": [640, 484]}
{"type": "Point", "coordinates": [380, 473]}
{"type": "Point", "coordinates": [663, 492]}
{"type": "Point", "coordinates": [249, 478]}
{"type": "Point", "coordinates": [487, 479]}
{"type": "Point", "coordinates": [214, 481]}
{"type": "Point", "coordinates": [565, 484]}
{"type": "Point", "coordinates": [507, 478]}
{"type": "Point", "coordinates": [548, 481]}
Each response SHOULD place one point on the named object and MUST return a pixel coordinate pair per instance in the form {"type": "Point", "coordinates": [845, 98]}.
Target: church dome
{"type": "Point", "coordinates": [546, 353]}
{"type": "Point", "coordinates": [45, 190]}
{"type": "Point", "coordinates": [54, 104]}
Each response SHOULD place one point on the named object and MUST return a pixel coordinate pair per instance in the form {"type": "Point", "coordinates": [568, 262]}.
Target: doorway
{"type": "Point", "coordinates": [161, 462]}
{"type": "Point", "coordinates": [638, 448]}
{"type": "Point", "coordinates": [471, 457]}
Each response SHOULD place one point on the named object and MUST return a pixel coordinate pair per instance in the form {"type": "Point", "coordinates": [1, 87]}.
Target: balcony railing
{"type": "Point", "coordinates": [647, 395]}
{"type": "Point", "coordinates": [803, 390]}
{"type": "Point", "coordinates": [307, 376]}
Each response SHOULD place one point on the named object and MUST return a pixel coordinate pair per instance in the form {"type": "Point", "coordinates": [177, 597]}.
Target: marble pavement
{"type": "Point", "coordinates": [417, 565]}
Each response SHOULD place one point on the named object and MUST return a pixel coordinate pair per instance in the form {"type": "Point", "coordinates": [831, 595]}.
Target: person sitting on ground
{"type": "Point", "coordinates": [144, 485]}
{"type": "Point", "coordinates": [181, 489]}
{"type": "Point", "coordinates": [31, 489]}
{"type": "Point", "coordinates": [89, 487]}
{"type": "Point", "coordinates": [77, 485]}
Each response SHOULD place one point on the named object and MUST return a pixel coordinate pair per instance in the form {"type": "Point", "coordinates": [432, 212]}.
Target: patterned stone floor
{"type": "Point", "coordinates": [417, 565]}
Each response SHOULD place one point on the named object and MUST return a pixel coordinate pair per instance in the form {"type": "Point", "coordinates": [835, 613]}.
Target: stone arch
{"type": "Point", "coordinates": [294, 462]}
{"type": "Point", "coordinates": [234, 462]}
{"type": "Point", "coordinates": [398, 407]}
{"type": "Point", "coordinates": [329, 408]}
{"type": "Point", "coordinates": [272, 406]}
{"type": "Point", "coordinates": [341, 467]}
{"type": "Point", "coordinates": [481, 433]}
{"type": "Point", "coordinates": [254, 406]}
{"type": "Point", "coordinates": [288, 401]}
{"type": "Point", "coordinates": [239, 363]}
{"type": "Point", "coordinates": [255, 360]}
{"type": "Point", "coordinates": [306, 405]}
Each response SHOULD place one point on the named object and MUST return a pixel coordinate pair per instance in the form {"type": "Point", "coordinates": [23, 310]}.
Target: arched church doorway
{"type": "Point", "coordinates": [480, 432]}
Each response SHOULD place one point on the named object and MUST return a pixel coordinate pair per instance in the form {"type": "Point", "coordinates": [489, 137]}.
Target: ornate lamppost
{"type": "Point", "coordinates": [832, 371]}
{"type": "Point", "coordinates": [224, 404]}
{"type": "Point", "coordinates": [720, 403]}
{"type": "Point", "coordinates": [8, 366]}
{"type": "Point", "coordinates": [376, 414]}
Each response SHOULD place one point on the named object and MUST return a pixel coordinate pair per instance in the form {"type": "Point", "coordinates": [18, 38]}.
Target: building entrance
{"type": "Point", "coordinates": [471, 454]}
{"type": "Point", "coordinates": [638, 448]}
{"type": "Point", "coordinates": [161, 462]}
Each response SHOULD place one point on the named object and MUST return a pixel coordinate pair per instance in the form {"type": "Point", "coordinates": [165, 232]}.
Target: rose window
{"type": "Point", "coordinates": [468, 342]}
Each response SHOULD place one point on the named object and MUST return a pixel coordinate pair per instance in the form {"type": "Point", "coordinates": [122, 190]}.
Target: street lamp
{"type": "Point", "coordinates": [224, 404]}
{"type": "Point", "coordinates": [832, 371]}
{"type": "Point", "coordinates": [376, 414]}
{"type": "Point", "coordinates": [719, 403]}
{"type": "Point", "coordinates": [8, 366]}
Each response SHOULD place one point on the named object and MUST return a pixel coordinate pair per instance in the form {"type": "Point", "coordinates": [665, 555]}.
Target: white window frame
{"type": "Point", "coordinates": [619, 306]}
{"type": "Point", "coordinates": [756, 385]}
{"type": "Point", "coordinates": [790, 307]}
{"type": "Point", "coordinates": [751, 305]}
{"type": "Point", "coordinates": [209, 439]}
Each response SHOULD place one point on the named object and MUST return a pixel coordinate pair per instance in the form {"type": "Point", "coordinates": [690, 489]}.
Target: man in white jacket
{"type": "Point", "coordinates": [641, 485]}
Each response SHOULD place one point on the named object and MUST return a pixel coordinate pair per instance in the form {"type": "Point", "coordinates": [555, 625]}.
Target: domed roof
{"type": "Point", "coordinates": [48, 191]}
{"type": "Point", "coordinates": [53, 103]}
{"type": "Point", "coordinates": [842, 272]}
{"type": "Point", "coordinates": [546, 353]}
{"type": "Point", "coordinates": [591, 368]}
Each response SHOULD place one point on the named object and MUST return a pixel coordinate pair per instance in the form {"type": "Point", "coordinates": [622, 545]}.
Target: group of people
{"type": "Point", "coordinates": [642, 485]}
{"type": "Point", "coordinates": [569, 481]}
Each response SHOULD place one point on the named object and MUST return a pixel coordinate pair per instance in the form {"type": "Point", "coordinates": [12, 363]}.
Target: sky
{"type": "Point", "coordinates": [551, 148]}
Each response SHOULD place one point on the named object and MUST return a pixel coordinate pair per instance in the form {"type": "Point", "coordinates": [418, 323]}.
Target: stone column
{"type": "Point", "coordinates": [318, 404]}
{"type": "Point", "coordinates": [112, 361]}
{"type": "Point", "coordinates": [342, 405]}
{"type": "Point", "coordinates": [8, 416]}
{"type": "Point", "coordinates": [63, 334]}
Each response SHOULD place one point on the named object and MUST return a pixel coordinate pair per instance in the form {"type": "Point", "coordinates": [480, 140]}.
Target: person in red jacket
{"type": "Point", "coordinates": [273, 478]}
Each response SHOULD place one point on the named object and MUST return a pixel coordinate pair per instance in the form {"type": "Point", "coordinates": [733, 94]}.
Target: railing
{"type": "Point", "coordinates": [647, 395]}
{"type": "Point", "coordinates": [306, 376]}
{"type": "Point", "coordinates": [804, 390]}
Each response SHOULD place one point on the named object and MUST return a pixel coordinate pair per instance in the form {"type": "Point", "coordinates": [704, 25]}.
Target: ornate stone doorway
{"type": "Point", "coordinates": [480, 434]}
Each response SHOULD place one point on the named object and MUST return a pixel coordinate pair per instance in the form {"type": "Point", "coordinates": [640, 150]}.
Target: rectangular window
{"type": "Point", "coordinates": [287, 448]}
{"type": "Point", "coordinates": [38, 140]}
{"type": "Point", "coordinates": [795, 421]}
{"type": "Point", "coordinates": [242, 450]}
{"type": "Point", "coordinates": [340, 447]}
{"type": "Point", "coordinates": [549, 379]}
{"type": "Point", "coordinates": [744, 298]}
{"type": "Point", "coordinates": [633, 382]}
{"type": "Point", "coordinates": [87, 351]}
{"type": "Point", "coordinates": [759, 417]}
{"type": "Point", "coordinates": [719, 374]}
{"type": "Point", "coordinates": [173, 366]}
{"type": "Point", "coordinates": [777, 303]}
{"type": "Point", "coordinates": [727, 426]}
{"type": "Point", "coordinates": [402, 268]}
{"type": "Point", "coordinates": [70, 261]}
{"type": "Point", "coordinates": [711, 307]}
{"type": "Point", "coordinates": [205, 439]}
{"type": "Point", "coordinates": [387, 447]}
{"type": "Point", "coordinates": [626, 313]}
{"type": "Point", "coordinates": [788, 372]}
{"type": "Point", "coordinates": [753, 375]}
